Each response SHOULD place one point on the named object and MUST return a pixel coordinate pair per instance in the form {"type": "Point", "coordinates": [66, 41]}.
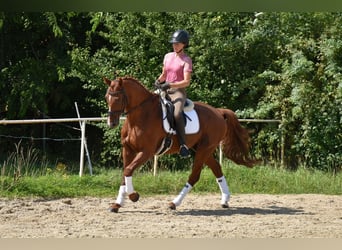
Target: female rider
{"type": "Point", "coordinates": [175, 77]}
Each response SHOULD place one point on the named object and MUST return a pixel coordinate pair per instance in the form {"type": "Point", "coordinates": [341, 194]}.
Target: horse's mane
{"type": "Point", "coordinates": [130, 78]}
{"type": "Point", "coordinates": [133, 79]}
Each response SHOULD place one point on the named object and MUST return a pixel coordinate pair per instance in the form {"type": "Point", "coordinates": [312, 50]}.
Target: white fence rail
{"type": "Point", "coordinates": [57, 120]}
{"type": "Point", "coordinates": [83, 122]}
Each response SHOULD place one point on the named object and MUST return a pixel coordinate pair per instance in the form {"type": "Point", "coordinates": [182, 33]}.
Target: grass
{"type": "Point", "coordinates": [24, 161]}
{"type": "Point", "coordinates": [24, 174]}
{"type": "Point", "coordinates": [58, 183]}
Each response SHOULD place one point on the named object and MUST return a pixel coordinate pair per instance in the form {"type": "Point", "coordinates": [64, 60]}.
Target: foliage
{"type": "Point", "coordinates": [271, 65]}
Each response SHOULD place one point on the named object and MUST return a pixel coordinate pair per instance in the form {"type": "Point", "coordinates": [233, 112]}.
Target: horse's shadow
{"type": "Point", "coordinates": [271, 210]}
{"type": "Point", "coordinates": [242, 211]}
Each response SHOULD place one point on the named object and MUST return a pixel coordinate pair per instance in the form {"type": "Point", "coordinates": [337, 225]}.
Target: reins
{"type": "Point", "coordinates": [124, 102]}
{"type": "Point", "coordinates": [139, 105]}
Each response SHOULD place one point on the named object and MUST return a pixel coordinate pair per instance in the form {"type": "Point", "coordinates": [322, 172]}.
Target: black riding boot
{"type": "Point", "coordinates": [180, 129]}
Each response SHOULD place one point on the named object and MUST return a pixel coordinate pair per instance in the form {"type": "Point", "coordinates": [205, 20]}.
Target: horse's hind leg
{"type": "Point", "coordinates": [225, 194]}
{"type": "Point", "coordinates": [220, 179]}
{"type": "Point", "coordinates": [178, 200]}
{"type": "Point", "coordinates": [200, 157]}
{"type": "Point", "coordinates": [193, 178]}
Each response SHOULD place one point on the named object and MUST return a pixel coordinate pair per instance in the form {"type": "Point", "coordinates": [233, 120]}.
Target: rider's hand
{"type": "Point", "coordinates": [157, 83]}
{"type": "Point", "coordinates": [165, 86]}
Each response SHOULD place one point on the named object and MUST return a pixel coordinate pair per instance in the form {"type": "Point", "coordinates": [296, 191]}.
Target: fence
{"type": "Point", "coordinates": [83, 147]}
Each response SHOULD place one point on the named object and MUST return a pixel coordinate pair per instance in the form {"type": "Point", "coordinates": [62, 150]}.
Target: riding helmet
{"type": "Point", "coordinates": [180, 36]}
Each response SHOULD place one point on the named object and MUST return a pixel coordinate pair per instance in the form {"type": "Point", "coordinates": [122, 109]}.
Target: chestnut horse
{"type": "Point", "coordinates": [142, 134]}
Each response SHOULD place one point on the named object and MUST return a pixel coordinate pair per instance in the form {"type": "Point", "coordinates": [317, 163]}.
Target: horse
{"type": "Point", "coordinates": [142, 134]}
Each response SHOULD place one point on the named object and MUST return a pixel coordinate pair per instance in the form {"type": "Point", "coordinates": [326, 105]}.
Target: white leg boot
{"type": "Point", "coordinates": [129, 185]}
{"type": "Point", "coordinates": [186, 189]}
{"type": "Point", "coordinates": [120, 200]}
{"type": "Point", "coordinates": [121, 196]}
{"type": "Point", "coordinates": [224, 190]}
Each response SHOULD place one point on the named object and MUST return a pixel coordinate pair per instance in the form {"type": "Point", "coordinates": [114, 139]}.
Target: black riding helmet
{"type": "Point", "coordinates": [180, 36]}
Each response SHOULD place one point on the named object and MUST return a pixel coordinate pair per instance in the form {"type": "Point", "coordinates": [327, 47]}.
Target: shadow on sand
{"type": "Point", "coordinates": [242, 211]}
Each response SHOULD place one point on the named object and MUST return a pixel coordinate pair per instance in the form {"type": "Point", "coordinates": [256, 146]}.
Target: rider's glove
{"type": "Point", "coordinates": [165, 86]}
{"type": "Point", "coordinates": [157, 84]}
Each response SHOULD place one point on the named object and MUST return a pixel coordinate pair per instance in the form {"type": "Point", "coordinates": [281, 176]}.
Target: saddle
{"type": "Point", "coordinates": [190, 117]}
{"type": "Point", "coordinates": [191, 121]}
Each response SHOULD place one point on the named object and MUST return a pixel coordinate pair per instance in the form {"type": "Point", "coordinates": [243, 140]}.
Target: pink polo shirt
{"type": "Point", "coordinates": [175, 66]}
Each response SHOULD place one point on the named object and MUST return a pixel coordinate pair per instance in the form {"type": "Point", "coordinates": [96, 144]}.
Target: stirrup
{"type": "Point", "coordinates": [184, 151]}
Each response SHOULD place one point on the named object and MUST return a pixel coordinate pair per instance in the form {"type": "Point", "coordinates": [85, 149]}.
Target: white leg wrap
{"type": "Point", "coordinates": [178, 200]}
{"type": "Point", "coordinates": [224, 189]}
{"type": "Point", "coordinates": [129, 185]}
{"type": "Point", "coordinates": [121, 196]}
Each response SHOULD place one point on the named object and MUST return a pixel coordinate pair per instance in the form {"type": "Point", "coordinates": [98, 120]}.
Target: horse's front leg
{"type": "Point", "coordinates": [131, 162]}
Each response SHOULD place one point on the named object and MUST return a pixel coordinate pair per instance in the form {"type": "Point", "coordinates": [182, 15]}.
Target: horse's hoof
{"type": "Point", "coordinates": [225, 205]}
{"type": "Point", "coordinates": [114, 208]}
{"type": "Point", "coordinates": [134, 197]}
{"type": "Point", "coordinates": [172, 206]}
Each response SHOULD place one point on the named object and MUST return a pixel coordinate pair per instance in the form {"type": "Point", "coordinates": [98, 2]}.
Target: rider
{"type": "Point", "coordinates": [175, 77]}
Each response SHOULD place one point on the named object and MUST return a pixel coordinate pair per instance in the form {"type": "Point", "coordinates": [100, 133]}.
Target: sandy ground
{"type": "Point", "coordinates": [200, 216]}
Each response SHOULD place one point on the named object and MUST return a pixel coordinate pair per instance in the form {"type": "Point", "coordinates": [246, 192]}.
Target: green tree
{"type": "Point", "coordinates": [305, 91]}
{"type": "Point", "coordinates": [34, 53]}
{"type": "Point", "coordinates": [262, 65]}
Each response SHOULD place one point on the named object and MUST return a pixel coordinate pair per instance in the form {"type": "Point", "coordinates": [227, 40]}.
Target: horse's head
{"type": "Point", "coordinates": [116, 100]}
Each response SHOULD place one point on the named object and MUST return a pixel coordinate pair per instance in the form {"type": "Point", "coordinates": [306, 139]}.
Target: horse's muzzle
{"type": "Point", "coordinates": [112, 122]}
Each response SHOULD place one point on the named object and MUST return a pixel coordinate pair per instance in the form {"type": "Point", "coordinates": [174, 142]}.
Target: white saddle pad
{"type": "Point", "coordinates": [192, 123]}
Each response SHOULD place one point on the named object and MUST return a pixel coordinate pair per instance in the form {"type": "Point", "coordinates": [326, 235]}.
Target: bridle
{"type": "Point", "coordinates": [124, 102]}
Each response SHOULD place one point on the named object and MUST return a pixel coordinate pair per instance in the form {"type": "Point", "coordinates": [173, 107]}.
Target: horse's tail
{"type": "Point", "coordinates": [236, 142]}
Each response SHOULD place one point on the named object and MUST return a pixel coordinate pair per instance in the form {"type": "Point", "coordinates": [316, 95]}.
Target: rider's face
{"type": "Point", "coordinates": [177, 47]}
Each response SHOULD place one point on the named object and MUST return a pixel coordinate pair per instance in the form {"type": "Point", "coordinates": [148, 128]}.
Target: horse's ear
{"type": "Point", "coordinates": [106, 80]}
{"type": "Point", "coordinates": [120, 81]}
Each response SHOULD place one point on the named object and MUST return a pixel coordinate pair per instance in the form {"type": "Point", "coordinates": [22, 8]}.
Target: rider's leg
{"type": "Point", "coordinates": [183, 150]}
{"type": "Point", "coordinates": [178, 99]}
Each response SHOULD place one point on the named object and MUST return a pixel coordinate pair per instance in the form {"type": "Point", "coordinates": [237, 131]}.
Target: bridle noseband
{"type": "Point", "coordinates": [123, 103]}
